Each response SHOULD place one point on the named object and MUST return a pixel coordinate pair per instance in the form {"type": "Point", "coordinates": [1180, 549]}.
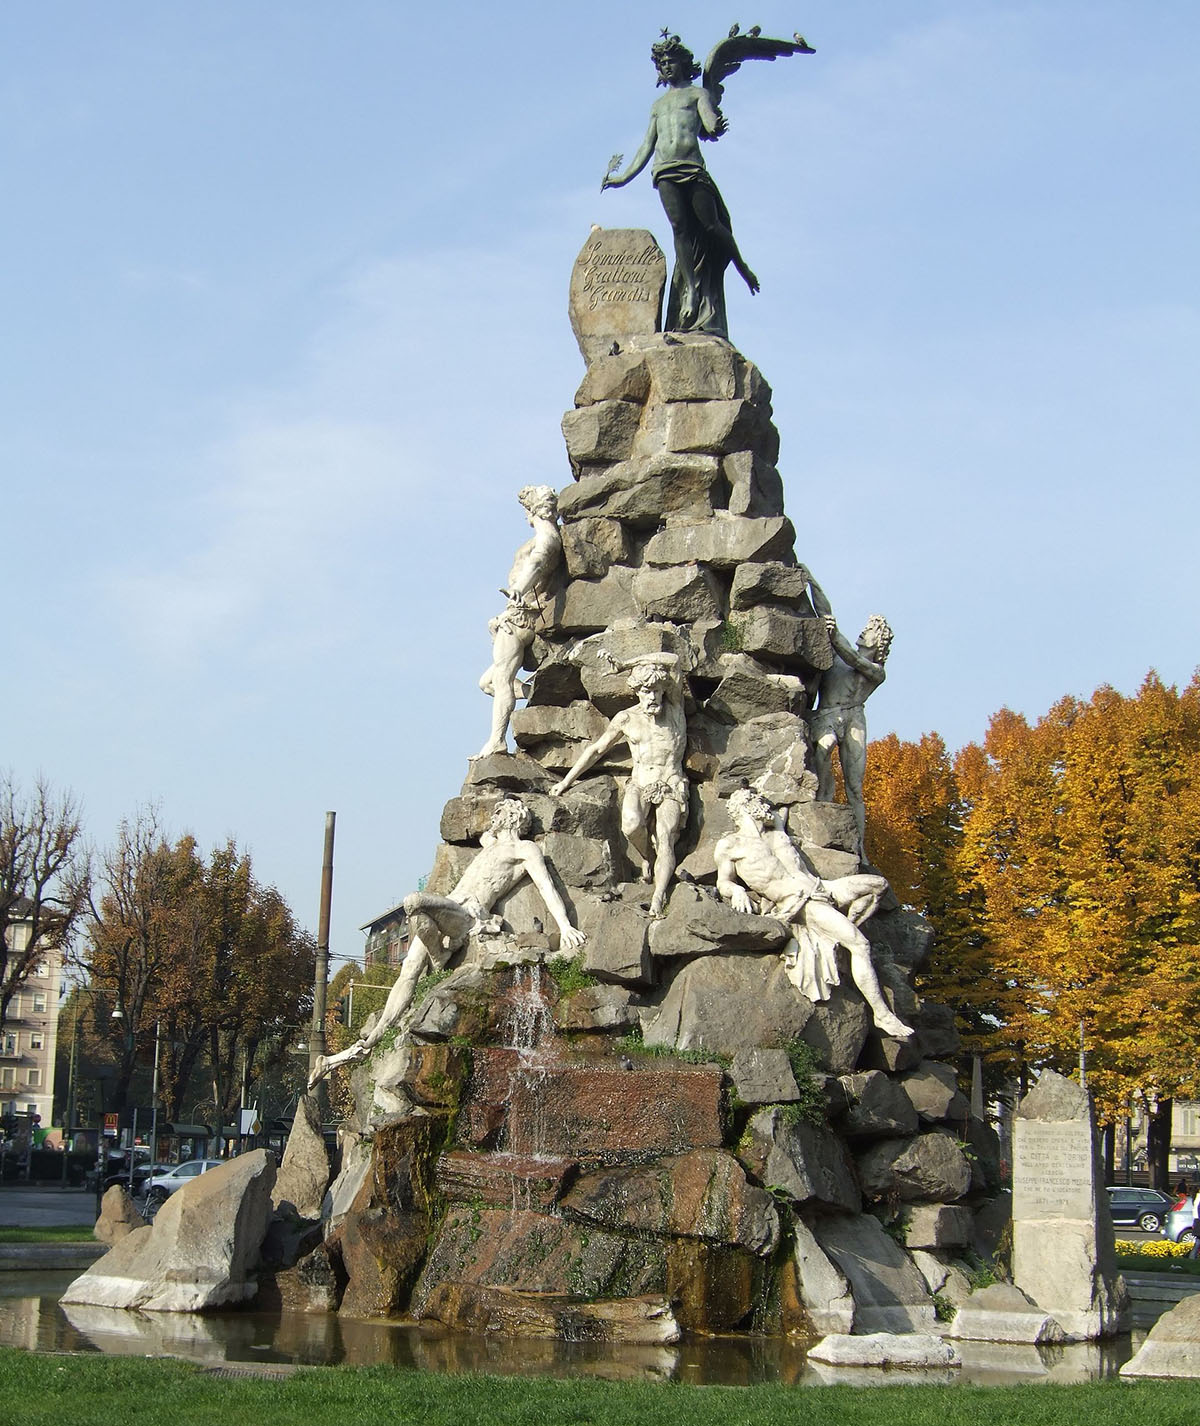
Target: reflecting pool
{"type": "Point", "coordinates": [31, 1317]}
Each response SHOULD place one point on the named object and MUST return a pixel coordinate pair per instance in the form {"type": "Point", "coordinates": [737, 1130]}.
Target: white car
{"type": "Point", "coordinates": [162, 1185]}
{"type": "Point", "coordinates": [1181, 1220]}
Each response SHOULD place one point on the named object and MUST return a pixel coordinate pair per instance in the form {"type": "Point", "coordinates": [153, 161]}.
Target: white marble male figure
{"type": "Point", "coordinates": [839, 721]}
{"type": "Point", "coordinates": [655, 804]}
{"type": "Point", "coordinates": [442, 925]}
{"type": "Point", "coordinates": [512, 633]}
{"type": "Point", "coordinates": [512, 629]}
{"type": "Point", "coordinates": [760, 857]}
{"type": "Point", "coordinates": [538, 557]}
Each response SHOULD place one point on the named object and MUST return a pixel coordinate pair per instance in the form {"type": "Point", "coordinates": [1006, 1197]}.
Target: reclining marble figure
{"type": "Point", "coordinates": [655, 804]}
{"type": "Point", "coordinates": [760, 857]}
{"type": "Point", "coordinates": [442, 925]}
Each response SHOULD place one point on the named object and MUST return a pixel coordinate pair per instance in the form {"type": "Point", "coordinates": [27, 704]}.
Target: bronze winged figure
{"type": "Point", "coordinates": [686, 114]}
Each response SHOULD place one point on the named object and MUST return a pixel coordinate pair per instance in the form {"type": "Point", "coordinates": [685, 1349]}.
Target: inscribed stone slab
{"type": "Point", "coordinates": [1052, 1175]}
{"type": "Point", "coordinates": [616, 288]}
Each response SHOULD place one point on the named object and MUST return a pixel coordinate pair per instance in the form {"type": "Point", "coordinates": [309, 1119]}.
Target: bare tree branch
{"type": "Point", "coordinates": [45, 878]}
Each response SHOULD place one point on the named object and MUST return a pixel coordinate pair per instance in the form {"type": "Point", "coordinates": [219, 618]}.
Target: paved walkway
{"type": "Point", "coordinates": [45, 1206]}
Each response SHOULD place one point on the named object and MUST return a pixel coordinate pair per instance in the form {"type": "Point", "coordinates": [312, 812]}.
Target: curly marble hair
{"type": "Point", "coordinates": [539, 500]}
{"type": "Point", "coordinates": [511, 815]}
{"type": "Point", "coordinates": [647, 675]}
{"type": "Point", "coordinates": [745, 799]}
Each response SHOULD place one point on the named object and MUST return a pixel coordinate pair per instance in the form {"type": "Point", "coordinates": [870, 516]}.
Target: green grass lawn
{"type": "Point", "coordinates": [60, 1233]}
{"type": "Point", "coordinates": [101, 1391]}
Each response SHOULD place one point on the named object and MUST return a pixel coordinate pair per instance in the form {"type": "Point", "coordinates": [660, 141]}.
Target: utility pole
{"type": "Point", "coordinates": [977, 1105]}
{"type": "Point", "coordinates": [316, 1039]}
{"type": "Point", "coordinates": [154, 1095]}
{"type": "Point", "coordinates": [69, 1117]}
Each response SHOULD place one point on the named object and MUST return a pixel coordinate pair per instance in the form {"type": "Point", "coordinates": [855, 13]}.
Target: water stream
{"type": "Point", "coordinates": [528, 1028]}
{"type": "Point", "coordinates": [527, 1023]}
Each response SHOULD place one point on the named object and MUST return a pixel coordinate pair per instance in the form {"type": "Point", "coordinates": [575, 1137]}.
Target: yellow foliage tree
{"type": "Point", "coordinates": [1060, 866]}
{"type": "Point", "coordinates": [916, 813]}
{"type": "Point", "coordinates": [1084, 837]}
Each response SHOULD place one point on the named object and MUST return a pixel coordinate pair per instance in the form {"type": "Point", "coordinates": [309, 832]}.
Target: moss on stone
{"type": "Point", "coordinates": [569, 976]}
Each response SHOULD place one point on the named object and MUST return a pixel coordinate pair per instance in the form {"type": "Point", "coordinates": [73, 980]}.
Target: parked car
{"type": "Point", "coordinates": [1181, 1220]}
{"type": "Point", "coordinates": [1144, 1208]}
{"type": "Point", "coordinates": [162, 1185]}
{"type": "Point", "coordinates": [116, 1169]}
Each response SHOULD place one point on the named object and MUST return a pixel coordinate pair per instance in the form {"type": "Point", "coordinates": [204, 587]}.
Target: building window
{"type": "Point", "coordinates": [39, 1002]}
{"type": "Point", "coordinates": [34, 1079]}
{"type": "Point", "coordinates": [37, 1041]}
{"type": "Point", "coordinates": [43, 970]}
{"type": "Point", "coordinates": [10, 1043]}
{"type": "Point", "coordinates": [6, 1078]}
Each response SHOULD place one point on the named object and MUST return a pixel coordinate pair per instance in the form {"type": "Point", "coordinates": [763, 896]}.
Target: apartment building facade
{"type": "Point", "coordinates": [29, 1036]}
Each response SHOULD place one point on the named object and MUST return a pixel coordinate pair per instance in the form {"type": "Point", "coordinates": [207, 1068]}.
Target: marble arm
{"type": "Point", "coordinates": [591, 755]}
{"type": "Point", "coordinates": [728, 885]}
{"type": "Point", "coordinates": [667, 660]}
{"type": "Point", "coordinates": [539, 874]}
{"type": "Point", "coordinates": [535, 561]}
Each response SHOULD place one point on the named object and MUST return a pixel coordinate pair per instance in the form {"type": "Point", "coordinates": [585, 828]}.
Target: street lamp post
{"type": "Point", "coordinates": [70, 1125]}
{"type": "Point", "coordinates": [119, 1014]}
{"type": "Point", "coordinates": [69, 1116]}
{"type": "Point", "coordinates": [154, 1095]}
{"type": "Point", "coordinates": [361, 985]}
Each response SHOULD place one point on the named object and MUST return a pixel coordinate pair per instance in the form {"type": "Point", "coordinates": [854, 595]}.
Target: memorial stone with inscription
{"type": "Point", "coordinates": [616, 289]}
{"type": "Point", "coordinates": [1063, 1255]}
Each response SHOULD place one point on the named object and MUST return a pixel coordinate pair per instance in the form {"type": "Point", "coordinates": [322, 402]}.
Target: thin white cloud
{"type": "Point", "coordinates": [400, 409]}
{"type": "Point", "coordinates": [280, 495]}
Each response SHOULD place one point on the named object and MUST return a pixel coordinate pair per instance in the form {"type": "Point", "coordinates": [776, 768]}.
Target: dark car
{"type": "Point", "coordinates": [116, 1169]}
{"type": "Point", "coordinates": [1143, 1208]}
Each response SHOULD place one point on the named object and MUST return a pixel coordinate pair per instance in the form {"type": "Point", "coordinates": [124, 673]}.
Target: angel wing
{"type": "Point", "coordinates": [727, 55]}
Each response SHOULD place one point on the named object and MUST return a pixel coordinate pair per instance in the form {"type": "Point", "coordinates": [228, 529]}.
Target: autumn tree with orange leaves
{"type": "Point", "coordinates": [202, 949]}
{"type": "Point", "coordinates": [1060, 865]}
{"type": "Point", "coordinates": [917, 812]}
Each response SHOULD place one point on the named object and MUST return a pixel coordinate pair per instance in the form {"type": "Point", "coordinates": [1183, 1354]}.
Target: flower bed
{"type": "Point", "coordinates": [1157, 1248]}
{"type": "Point", "coordinates": [1157, 1256]}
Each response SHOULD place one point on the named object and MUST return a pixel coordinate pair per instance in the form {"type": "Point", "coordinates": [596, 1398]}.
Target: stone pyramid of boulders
{"type": "Point", "coordinates": [685, 1142]}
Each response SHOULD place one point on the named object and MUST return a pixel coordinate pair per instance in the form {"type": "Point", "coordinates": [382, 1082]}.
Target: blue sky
{"type": "Point", "coordinates": [283, 290]}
